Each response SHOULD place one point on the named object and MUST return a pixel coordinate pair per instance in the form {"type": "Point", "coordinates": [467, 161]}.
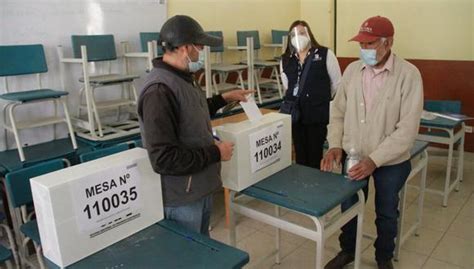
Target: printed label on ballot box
{"type": "Point", "coordinates": [265, 146]}
{"type": "Point", "coordinates": [107, 199]}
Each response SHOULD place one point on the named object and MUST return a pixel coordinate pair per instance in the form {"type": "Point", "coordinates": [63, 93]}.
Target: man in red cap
{"type": "Point", "coordinates": [376, 113]}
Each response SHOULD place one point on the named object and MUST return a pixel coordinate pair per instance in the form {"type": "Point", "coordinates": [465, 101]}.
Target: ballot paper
{"type": "Point", "coordinates": [453, 116]}
{"type": "Point", "coordinates": [251, 109]}
{"type": "Point", "coordinates": [427, 115]}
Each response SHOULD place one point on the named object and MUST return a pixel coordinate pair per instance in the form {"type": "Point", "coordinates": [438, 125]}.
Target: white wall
{"type": "Point", "coordinates": [52, 22]}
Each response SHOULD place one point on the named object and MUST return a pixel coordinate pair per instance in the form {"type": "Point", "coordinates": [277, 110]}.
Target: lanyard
{"type": "Point", "coordinates": [297, 85]}
{"type": "Point", "coordinates": [300, 70]}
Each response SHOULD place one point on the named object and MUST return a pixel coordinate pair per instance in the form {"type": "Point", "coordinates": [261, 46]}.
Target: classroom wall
{"type": "Point", "coordinates": [232, 15]}
{"type": "Point", "coordinates": [424, 29]}
{"type": "Point", "coordinates": [319, 15]}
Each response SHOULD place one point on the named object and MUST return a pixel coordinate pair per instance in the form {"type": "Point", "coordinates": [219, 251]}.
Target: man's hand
{"type": "Point", "coordinates": [237, 95]}
{"type": "Point", "coordinates": [363, 169]}
{"type": "Point", "coordinates": [333, 155]}
{"type": "Point", "coordinates": [226, 149]}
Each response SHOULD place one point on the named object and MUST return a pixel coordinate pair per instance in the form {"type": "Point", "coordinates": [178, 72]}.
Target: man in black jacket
{"type": "Point", "coordinates": [176, 128]}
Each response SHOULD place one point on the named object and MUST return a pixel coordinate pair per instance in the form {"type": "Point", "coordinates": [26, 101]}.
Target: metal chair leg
{"type": "Point", "coordinates": [39, 256]}
{"type": "Point", "coordinates": [69, 124]}
{"type": "Point", "coordinates": [5, 124]}
{"type": "Point", "coordinates": [448, 175]}
{"type": "Point", "coordinates": [9, 265]}
{"type": "Point", "coordinates": [10, 110]}
{"type": "Point", "coordinates": [11, 242]}
{"type": "Point", "coordinates": [257, 85]}
{"type": "Point", "coordinates": [241, 79]}
{"type": "Point", "coordinates": [214, 83]}
{"type": "Point", "coordinates": [95, 112]}
{"type": "Point", "coordinates": [55, 128]}
{"type": "Point", "coordinates": [81, 97]}
{"type": "Point", "coordinates": [277, 76]}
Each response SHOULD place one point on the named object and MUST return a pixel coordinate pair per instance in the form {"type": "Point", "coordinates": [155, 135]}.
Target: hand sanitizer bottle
{"type": "Point", "coordinates": [351, 160]}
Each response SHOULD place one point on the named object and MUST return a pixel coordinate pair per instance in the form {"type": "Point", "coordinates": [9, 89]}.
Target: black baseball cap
{"type": "Point", "coordinates": [181, 30]}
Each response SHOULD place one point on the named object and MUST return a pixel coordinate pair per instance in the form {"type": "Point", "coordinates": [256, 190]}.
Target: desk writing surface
{"type": "Point", "coordinates": [306, 190]}
{"type": "Point", "coordinates": [418, 147]}
{"type": "Point", "coordinates": [59, 148]}
{"type": "Point", "coordinates": [164, 245]}
{"type": "Point", "coordinates": [440, 123]}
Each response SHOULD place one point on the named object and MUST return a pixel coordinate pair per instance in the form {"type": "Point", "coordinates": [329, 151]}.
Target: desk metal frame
{"type": "Point", "coordinates": [451, 140]}
{"type": "Point", "coordinates": [421, 166]}
{"type": "Point", "coordinates": [324, 229]}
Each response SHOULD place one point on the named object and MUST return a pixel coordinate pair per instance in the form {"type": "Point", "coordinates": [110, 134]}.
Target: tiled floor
{"type": "Point", "coordinates": [446, 237]}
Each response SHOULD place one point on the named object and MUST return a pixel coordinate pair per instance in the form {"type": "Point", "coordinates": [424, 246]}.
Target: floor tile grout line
{"type": "Point", "coordinates": [444, 234]}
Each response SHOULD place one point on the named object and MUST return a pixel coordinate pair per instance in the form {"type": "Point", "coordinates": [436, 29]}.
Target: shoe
{"type": "Point", "coordinates": [340, 261]}
{"type": "Point", "coordinates": [385, 265]}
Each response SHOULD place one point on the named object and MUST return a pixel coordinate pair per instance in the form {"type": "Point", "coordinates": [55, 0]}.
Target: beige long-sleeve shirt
{"type": "Point", "coordinates": [387, 133]}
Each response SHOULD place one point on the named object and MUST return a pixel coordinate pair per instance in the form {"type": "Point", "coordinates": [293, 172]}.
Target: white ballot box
{"type": "Point", "coordinates": [261, 149]}
{"type": "Point", "coordinates": [87, 207]}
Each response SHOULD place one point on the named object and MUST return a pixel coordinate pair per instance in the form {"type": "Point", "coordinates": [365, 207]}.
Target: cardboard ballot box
{"type": "Point", "coordinates": [87, 207]}
{"type": "Point", "coordinates": [261, 149]}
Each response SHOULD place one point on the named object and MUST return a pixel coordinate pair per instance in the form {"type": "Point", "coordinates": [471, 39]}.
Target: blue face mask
{"type": "Point", "coordinates": [369, 56]}
{"type": "Point", "coordinates": [199, 64]}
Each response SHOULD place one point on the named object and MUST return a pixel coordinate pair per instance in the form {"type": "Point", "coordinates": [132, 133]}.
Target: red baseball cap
{"type": "Point", "coordinates": [374, 28]}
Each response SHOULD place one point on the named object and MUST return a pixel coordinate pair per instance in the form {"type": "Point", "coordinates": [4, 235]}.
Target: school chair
{"type": "Point", "coordinates": [18, 61]}
{"type": "Point", "coordinates": [150, 49]}
{"type": "Point", "coordinates": [279, 41]}
{"type": "Point", "coordinates": [260, 65]}
{"type": "Point", "coordinates": [146, 37]}
{"type": "Point", "coordinates": [443, 106]}
{"type": "Point", "coordinates": [138, 143]}
{"type": "Point", "coordinates": [6, 256]}
{"type": "Point", "coordinates": [7, 253]}
{"type": "Point", "coordinates": [20, 198]}
{"type": "Point", "coordinates": [96, 154]}
{"type": "Point", "coordinates": [277, 36]}
{"type": "Point", "coordinates": [100, 50]}
{"type": "Point", "coordinates": [222, 70]}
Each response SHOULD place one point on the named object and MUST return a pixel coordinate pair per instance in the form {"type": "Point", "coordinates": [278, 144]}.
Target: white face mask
{"type": "Point", "coordinates": [300, 42]}
{"type": "Point", "coordinates": [369, 56]}
{"type": "Point", "coordinates": [199, 64]}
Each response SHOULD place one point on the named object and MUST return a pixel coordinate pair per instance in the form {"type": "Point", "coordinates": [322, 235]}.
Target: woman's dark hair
{"type": "Point", "coordinates": [289, 48]}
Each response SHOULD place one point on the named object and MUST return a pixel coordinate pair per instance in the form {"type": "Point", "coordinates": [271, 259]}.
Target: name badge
{"type": "Point", "coordinates": [295, 89]}
{"type": "Point", "coordinates": [317, 57]}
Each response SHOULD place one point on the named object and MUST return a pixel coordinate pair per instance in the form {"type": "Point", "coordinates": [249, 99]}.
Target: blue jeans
{"type": "Point", "coordinates": [194, 216]}
{"type": "Point", "coordinates": [388, 181]}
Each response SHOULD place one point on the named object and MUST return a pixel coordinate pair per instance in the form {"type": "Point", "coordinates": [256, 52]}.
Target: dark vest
{"type": "Point", "coordinates": [316, 95]}
{"type": "Point", "coordinates": [194, 131]}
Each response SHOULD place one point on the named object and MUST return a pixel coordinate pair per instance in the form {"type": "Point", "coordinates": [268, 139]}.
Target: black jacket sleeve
{"type": "Point", "coordinates": [158, 110]}
{"type": "Point", "coordinates": [215, 103]}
